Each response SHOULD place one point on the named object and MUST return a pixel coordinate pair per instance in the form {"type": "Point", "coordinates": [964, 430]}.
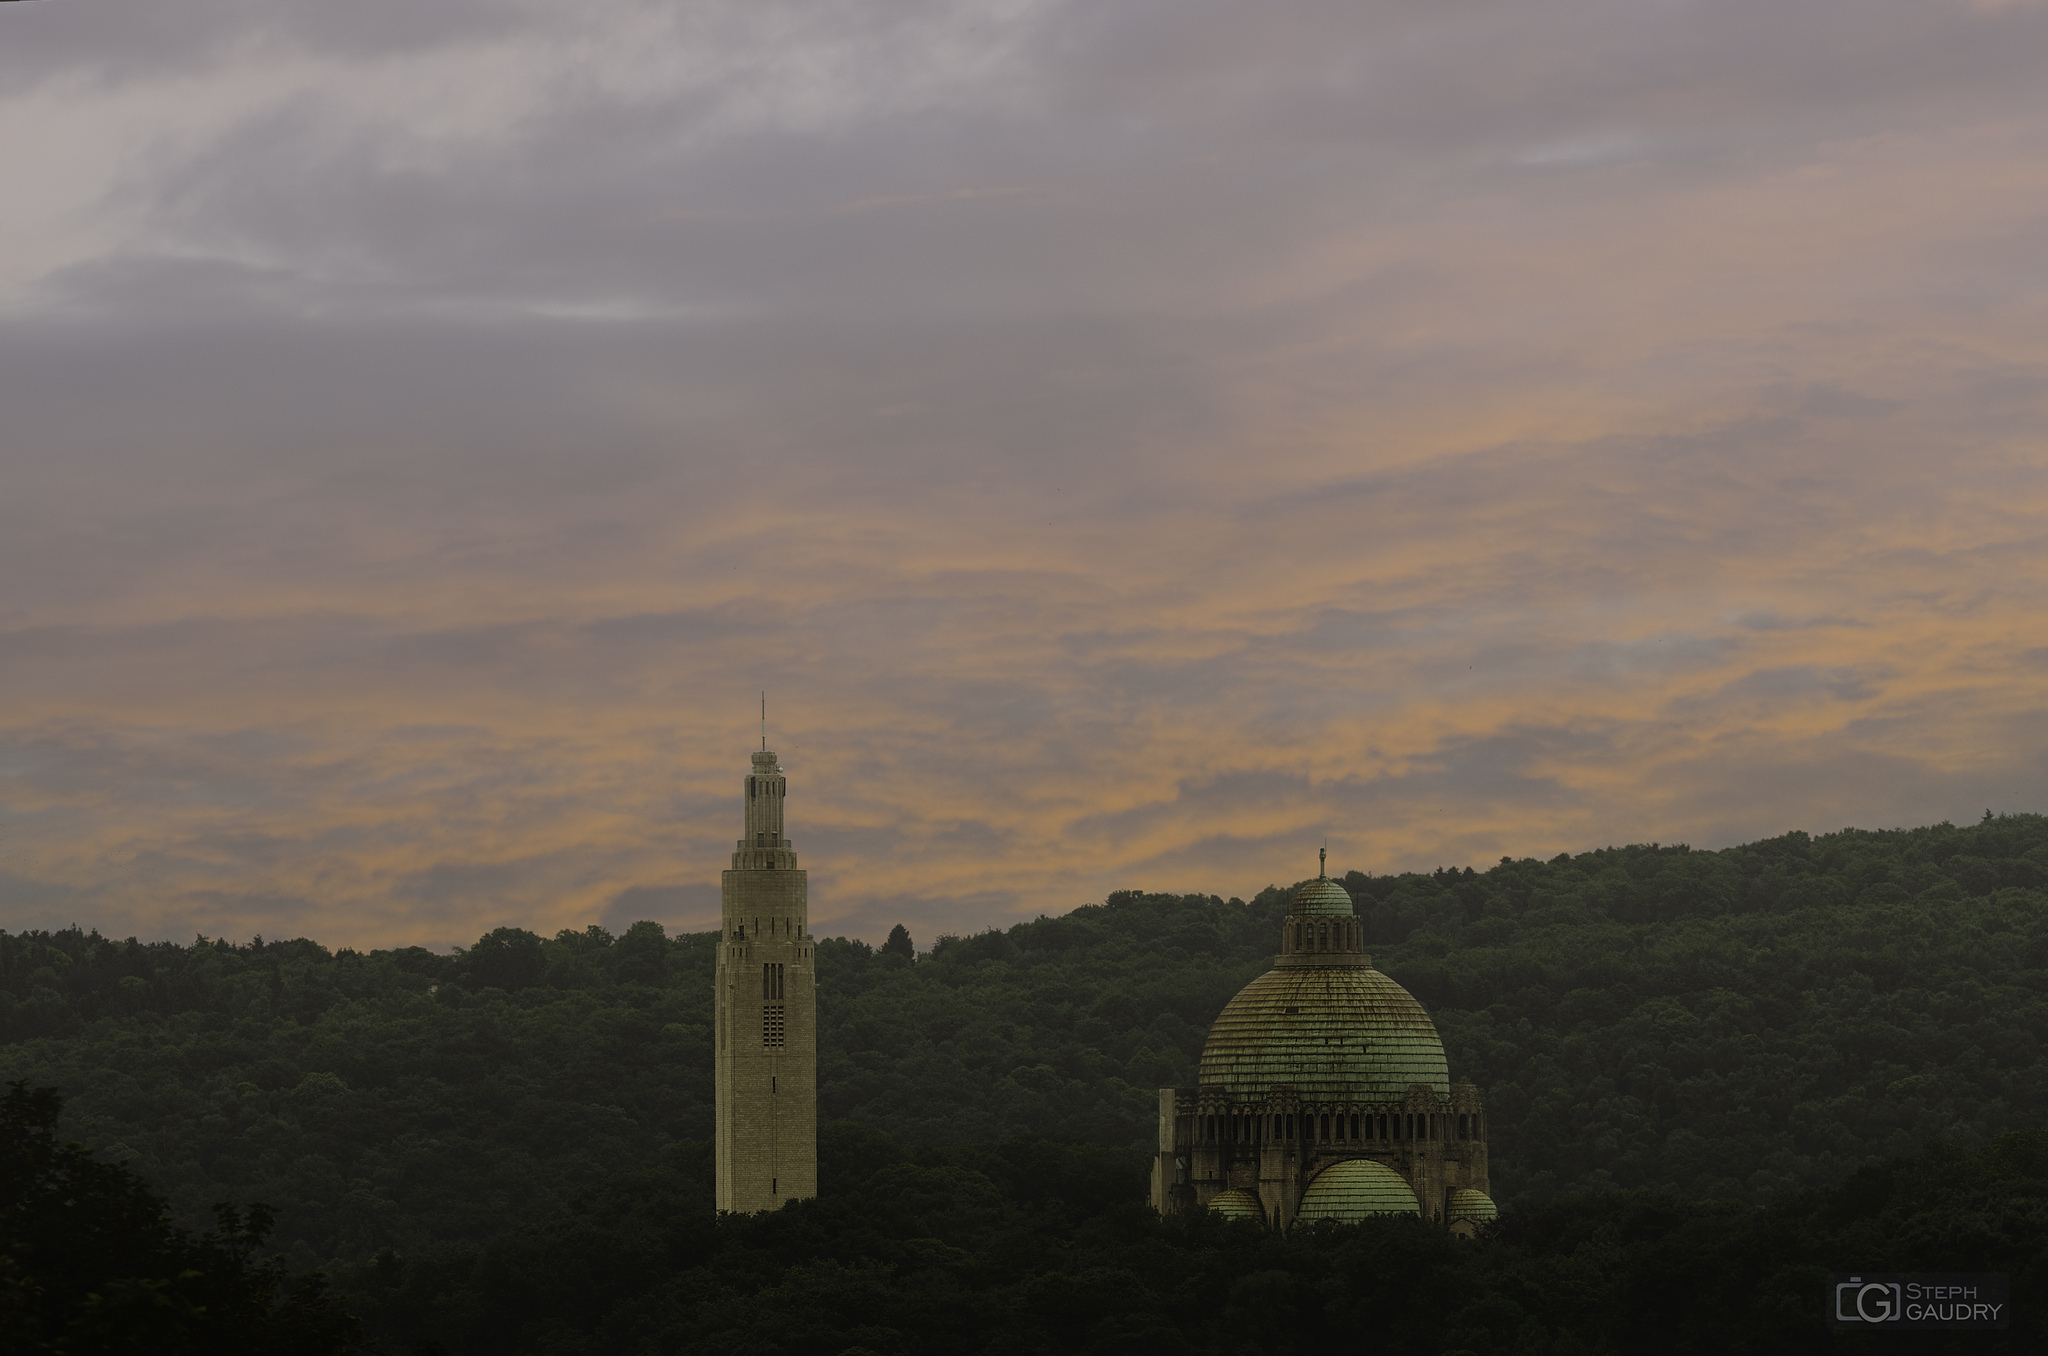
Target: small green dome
{"type": "Point", "coordinates": [1340, 1033]}
{"type": "Point", "coordinates": [1323, 897]}
{"type": "Point", "coordinates": [1476, 1206]}
{"type": "Point", "coordinates": [1354, 1190]}
{"type": "Point", "coordinates": [1237, 1204]}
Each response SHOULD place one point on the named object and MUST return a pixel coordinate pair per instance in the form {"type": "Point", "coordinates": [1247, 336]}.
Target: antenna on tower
{"type": "Point", "coordinates": [764, 722]}
{"type": "Point", "coordinates": [1323, 861]}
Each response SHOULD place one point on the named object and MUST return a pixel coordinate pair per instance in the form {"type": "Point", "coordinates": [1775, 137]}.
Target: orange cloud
{"type": "Point", "coordinates": [1452, 434]}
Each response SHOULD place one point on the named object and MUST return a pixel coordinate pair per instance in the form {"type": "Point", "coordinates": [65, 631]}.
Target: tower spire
{"type": "Point", "coordinates": [1323, 863]}
{"type": "Point", "coordinates": [764, 721]}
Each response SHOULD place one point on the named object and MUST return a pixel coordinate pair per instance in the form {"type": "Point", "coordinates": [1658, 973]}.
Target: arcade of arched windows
{"type": "Point", "coordinates": [1325, 934]}
{"type": "Point", "coordinates": [1334, 1125]}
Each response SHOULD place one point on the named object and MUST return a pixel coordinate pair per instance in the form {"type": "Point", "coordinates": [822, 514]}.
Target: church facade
{"type": "Point", "coordinates": [1323, 1093]}
{"type": "Point", "coordinates": [766, 1071]}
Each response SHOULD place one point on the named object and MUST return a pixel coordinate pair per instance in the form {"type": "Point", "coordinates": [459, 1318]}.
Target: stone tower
{"type": "Point", "coordinates": [767, 1014]}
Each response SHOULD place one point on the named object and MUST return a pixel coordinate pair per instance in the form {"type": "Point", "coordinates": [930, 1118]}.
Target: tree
{"type": "Point", "coordinates": [507, 958]}
{"type": "Point", "coordinates": [89, 1264]}
{"type": "Point", "coordinates": [641, 955]}
{"type": "Point", "coordinates": [899, 943]}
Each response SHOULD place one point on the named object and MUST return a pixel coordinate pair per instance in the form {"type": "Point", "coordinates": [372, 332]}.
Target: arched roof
{"type": "Point", "coordinates": [1340, 1033]}
{"type": "Point", "coordinates": [1354, 1190]}
{"type": "Point", "coordinates": [1323, 898]}
{"type": "Point", "coordinates": [1237, 1204]}
{"type": "Point", "coordinates": [1476, 1206]}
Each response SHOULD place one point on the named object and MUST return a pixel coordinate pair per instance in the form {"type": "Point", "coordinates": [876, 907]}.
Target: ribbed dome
{"type": "Point", "coordinates": [1323, 897]}
{"type": "Point", "coordinates": [1237, 1204]}
{"type": "Point", "coordinates": [1335, 1034]}
{"type": "Point", "coordinates": [1476, 1206]}
{"type": "Point", "coordinates": [1354, 1190]}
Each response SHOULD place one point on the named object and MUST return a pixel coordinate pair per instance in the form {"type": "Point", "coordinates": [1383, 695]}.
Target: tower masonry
{"type": "Point", "coordinates": [767, 1013]}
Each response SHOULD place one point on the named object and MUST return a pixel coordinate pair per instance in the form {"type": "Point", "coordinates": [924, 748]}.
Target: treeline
{"type": "Point", "coordinates": [1728, 1024]}
{"type": "Point", "coordinates": [1043, 1247]}
{"type": "Point", "coordinates": [1008, 1249]}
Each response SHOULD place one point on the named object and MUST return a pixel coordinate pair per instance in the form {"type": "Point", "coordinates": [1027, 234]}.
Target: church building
{"type": "Point", "coordinates": [767, 1013]}
{"type": "Point", "coordinates": [1323, 1093]}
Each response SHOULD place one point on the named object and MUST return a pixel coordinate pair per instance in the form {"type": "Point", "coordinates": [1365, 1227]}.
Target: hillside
{"type": "Point", "coordinates": [1713, 1023]}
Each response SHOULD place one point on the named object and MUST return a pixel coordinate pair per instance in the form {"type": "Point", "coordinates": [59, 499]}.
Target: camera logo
{"type": "Point", "coordinates": [1920, 1299]}
{"type": "Point", "coordinates": [1861, 1301]}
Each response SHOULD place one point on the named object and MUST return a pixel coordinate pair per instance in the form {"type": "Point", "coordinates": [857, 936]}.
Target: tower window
{"type": "Point", "coordinates": [771, 980]}
{"type": "Point", "coordinates": [772, 1027]}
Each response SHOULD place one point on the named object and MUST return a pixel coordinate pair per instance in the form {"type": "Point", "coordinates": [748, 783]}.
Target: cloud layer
{"type": "Point", "coordinates": [1130, 443]}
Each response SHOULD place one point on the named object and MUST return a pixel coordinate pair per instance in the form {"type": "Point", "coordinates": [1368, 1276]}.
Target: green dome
{"type": "Point", "coordinates": [1337, 1033]}
{"type": "Point", "coordinates": [1355, 1189]}
{"type": "Point", "coordinates": [1323, 897]}
{"type": "Point", "coordinates": [1237, 1204]}
{"type": "Point", "coordinates": [1476, 1206]}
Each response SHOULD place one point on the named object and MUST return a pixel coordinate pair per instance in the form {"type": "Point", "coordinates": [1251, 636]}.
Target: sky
{"type": "Point", "coordinates": [1131, 444]}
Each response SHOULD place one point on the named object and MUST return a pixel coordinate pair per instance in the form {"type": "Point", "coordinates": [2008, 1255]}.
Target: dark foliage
{"type": "Point", "coordinates": [89, 1264]}
{"type": "Point", "coordinates": [1732, 1024]}
{"type": "Point", "coordinates": [1037, 1246]}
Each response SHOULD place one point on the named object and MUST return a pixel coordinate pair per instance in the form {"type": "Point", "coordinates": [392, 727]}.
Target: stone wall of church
{"type": "Point", "coordinates": [1273, 1148]}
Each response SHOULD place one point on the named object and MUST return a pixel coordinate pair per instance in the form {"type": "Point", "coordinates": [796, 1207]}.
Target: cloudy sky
{"type": "Point", "coordinates": [1131, 442]}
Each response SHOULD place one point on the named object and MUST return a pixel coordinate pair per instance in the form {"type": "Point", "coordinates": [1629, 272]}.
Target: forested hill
{"type": "Point", "coordinates": [1718, 1023]}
